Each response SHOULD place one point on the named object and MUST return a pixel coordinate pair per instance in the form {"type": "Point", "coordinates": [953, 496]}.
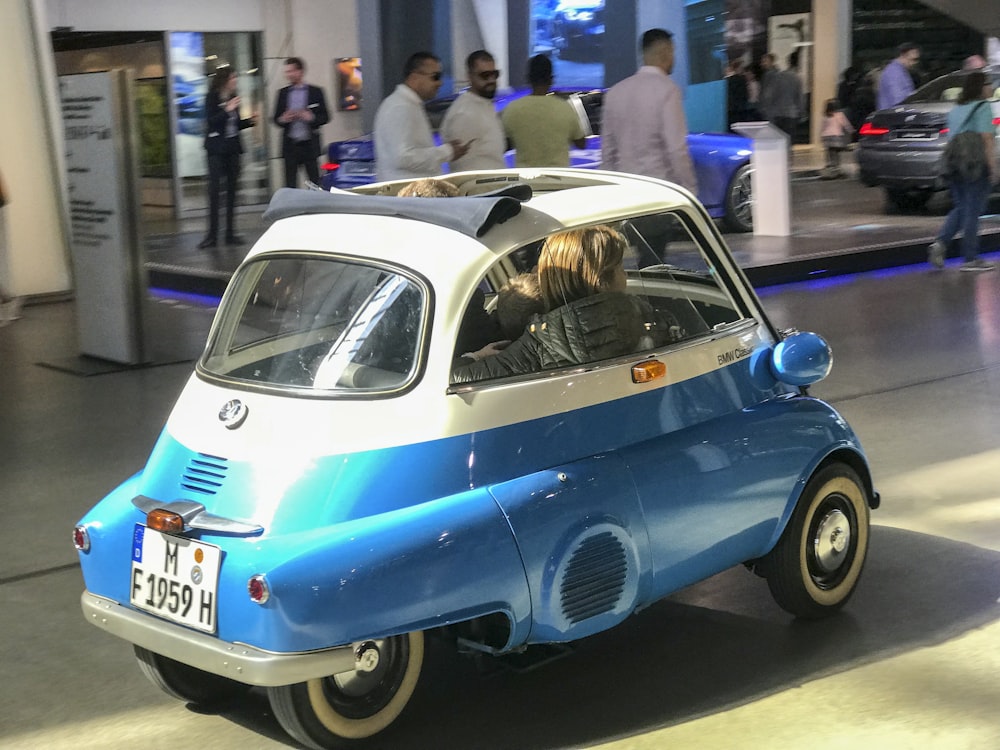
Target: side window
{"type": "Point", "coordinates": [668, 270]}
{"type": "Point", "coordinates": [479, 325]}
{"type": "Point", "coordinates": [668, 293]}
{"type": "Point", "coordinates": [483, 322]}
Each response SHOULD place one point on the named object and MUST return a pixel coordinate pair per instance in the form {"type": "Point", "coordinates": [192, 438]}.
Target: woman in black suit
{"type": "Point", "coordinates": [222, 142]}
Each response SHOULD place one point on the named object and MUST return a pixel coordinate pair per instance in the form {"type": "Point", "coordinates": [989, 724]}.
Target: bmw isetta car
{"type": "Point", "coordinates": [326, 494]}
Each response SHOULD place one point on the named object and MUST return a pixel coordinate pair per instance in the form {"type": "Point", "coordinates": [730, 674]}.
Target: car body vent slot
{"type": "Point", "coordinates": [205, 474]}
{"type": "Point", "coordinates": [595, 577]}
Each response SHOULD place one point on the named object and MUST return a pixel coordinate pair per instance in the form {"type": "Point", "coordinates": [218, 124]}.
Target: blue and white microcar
{"type": "Point", "coordinates": [325, 495]}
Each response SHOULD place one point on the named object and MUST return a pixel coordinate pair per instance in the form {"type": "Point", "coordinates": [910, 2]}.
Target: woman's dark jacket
{"type": "Point", "coordinates": [216, 120]}
{"type": "Point", "coordinates": [606, 325]}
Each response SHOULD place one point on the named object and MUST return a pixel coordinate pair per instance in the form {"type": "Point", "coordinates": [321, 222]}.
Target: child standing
{"type": "Point", "coordinates": [836, 134]}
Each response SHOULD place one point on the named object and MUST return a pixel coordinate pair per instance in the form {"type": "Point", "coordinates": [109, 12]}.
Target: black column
{"type": "Point", "coordinates": [621, 40]}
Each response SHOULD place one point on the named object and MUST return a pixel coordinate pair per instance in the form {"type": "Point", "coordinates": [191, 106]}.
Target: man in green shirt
{"type": "Point", "coordinates": [541, 126]}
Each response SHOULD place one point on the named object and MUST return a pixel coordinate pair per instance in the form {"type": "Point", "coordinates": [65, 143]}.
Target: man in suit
{"type": "Point", "coordinates": [300, 112]}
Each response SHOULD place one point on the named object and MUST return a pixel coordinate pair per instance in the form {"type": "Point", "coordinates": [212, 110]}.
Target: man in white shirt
{"type": "Point", "coordinates": [473, 119]}
{"type": "Point", "coordinates": [644, 130]}
{"type": "Point", "coordinates": [404, 145]}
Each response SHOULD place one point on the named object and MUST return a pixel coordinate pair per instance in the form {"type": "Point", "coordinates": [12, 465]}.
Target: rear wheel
{"type": "Point", "coordinates": [187, 683]}
{"type": "Point", "coordinates": [352, 705]}
{"type": "Point", "coordinates": [813, 569]}
{"type": "Point", "coordinates": [739, 201]}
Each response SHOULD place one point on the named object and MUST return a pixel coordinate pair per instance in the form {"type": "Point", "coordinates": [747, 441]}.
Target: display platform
{"type": "Point", "coordinates": [837, 227]}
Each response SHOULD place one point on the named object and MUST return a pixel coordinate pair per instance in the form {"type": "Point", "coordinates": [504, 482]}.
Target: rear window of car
{"type": "Point", "coordinates": [945, 89]}
{"type": "Point", "coordinates": [319, 325]}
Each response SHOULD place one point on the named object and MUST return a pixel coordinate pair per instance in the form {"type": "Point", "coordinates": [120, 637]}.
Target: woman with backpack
{"type": "Point", "coordinates": [970, 168]}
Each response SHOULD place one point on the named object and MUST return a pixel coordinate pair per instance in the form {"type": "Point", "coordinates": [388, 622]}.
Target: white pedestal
{"type": "Point", "coordinates": [772, 206]}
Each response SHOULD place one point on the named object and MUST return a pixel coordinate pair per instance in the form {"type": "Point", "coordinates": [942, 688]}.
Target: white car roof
{"type": "Point", "coordinates": [455, 240]}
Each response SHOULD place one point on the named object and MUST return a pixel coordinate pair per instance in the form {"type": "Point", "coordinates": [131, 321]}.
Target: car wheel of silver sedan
{"type": "Point", "coordinates": [187, 683]}
{"type": "Point", "coordinates": [815, 566]}
{"type": "Point", "coordinates": [739, 200]}
{"type": "Point", "coordinates": [352, 705]}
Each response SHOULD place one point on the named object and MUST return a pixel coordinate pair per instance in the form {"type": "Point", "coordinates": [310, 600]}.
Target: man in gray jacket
{"type": "Point", "coordinates": [781, 96]}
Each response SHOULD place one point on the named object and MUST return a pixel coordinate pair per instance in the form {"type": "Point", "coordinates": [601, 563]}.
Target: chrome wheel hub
{"type": "Point", "coordinates": [832, 541]}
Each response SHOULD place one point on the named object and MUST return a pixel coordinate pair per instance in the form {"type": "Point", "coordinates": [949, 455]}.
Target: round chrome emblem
{"type": "Point", "coordinates": [233, 414]}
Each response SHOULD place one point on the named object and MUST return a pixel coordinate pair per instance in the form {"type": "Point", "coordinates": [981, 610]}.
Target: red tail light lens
{"type": "Point", "coordinates": [81, 539]}
{"type": "Point", "coordinates": [869, 129]}
{"type": "Point", "coordinates": [330, 166]}
{"type": "Point", "coordinates": [258, 589]}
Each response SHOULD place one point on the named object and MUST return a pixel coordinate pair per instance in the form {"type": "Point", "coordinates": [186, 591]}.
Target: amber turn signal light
{"type": "Point", "coordinates": [645, 372]}
{"type": "Point", "coordinates": [165, 521]}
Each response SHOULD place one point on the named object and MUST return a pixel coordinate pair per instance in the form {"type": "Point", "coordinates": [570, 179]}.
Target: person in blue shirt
{"type": "Point", "coordinates": [896, 82]}
{"type": "Point", "coordinates": [969, 196]}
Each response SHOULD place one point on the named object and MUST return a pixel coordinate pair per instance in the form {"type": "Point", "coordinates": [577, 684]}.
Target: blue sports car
{"type": "Point", "coordinates": [350, 470]}
{"type": "Point", "coordinates": [721, 160]}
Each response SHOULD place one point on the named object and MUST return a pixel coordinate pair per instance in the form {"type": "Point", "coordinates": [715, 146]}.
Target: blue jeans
{"type": "Point", "coordinates": [968, 203]}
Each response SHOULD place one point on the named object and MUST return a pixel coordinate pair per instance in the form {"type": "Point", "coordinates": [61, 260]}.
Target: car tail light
{"type": "Point", "coordinates": [869, 129]}
{"type": "Point", "coordinates": [646, 372]}
{"type": "Point", "coordinates": [165, 521]}
{"type": "Point", "coordinates": [330, 166]}
{"type": "Point", "coordinates": [258, 589]}
{"type": "Point", "coordinates": [81, 538]}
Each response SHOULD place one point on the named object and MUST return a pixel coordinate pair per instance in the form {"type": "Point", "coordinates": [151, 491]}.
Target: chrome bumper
{"type": "Point", "coordinates": [233, 660]}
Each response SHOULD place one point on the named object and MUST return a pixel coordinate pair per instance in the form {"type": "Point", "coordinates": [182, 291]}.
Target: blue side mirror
{"type": "Point", "coordinates": [798, 359]}
{"type": "Point", "coordinates": [802, 358]}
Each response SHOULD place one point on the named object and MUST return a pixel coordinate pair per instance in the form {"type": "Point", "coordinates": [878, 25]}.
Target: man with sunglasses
{"type": "Point", "coordinates": [473, 119]}
{"type": "Point", "coordinates": [404, 145]}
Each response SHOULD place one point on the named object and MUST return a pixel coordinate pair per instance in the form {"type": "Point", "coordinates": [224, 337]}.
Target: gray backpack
{"type": "Point", "coordinates": [965, 154]}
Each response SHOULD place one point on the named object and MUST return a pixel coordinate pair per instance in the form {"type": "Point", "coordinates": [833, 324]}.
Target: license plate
{"type": "Point", "coordinates": [175, 578]}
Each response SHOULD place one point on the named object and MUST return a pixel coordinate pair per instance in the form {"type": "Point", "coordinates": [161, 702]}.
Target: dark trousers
{"type": "Point", "coordinates": [296, 153]}
{"type": "Point", "coordinates": [223, 173]}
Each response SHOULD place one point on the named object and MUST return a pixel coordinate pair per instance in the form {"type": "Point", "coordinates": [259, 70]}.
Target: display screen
{"type": "Point", "coordinates": [348, 74]}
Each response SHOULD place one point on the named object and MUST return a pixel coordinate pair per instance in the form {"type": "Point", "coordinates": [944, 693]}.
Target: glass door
{"type": "Point", "coordinates": [194, 58]}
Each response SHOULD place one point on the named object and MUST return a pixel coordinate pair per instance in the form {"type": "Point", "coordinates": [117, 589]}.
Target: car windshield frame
{"type": "Point", "coordinates": [310, 324]}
